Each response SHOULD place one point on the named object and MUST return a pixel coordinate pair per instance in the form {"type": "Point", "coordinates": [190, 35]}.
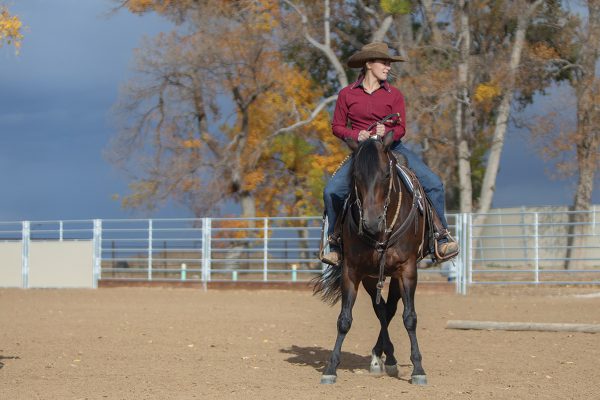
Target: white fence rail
{"type": "Point", "coordinates": [514, 246]}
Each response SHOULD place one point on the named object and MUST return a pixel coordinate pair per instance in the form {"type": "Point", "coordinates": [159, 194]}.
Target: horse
{"type": "Point", "coordinates": [383, 234]}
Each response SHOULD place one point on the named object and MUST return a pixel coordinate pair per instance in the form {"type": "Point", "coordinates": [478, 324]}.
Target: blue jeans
{"type": "Point", "coordinates": [338, 186]}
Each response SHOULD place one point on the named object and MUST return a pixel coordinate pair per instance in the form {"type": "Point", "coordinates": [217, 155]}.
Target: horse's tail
{"type": "Point", "coordinates": [328, 284]}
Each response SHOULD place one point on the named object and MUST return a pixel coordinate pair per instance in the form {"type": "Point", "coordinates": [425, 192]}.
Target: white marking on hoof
{"type": "Point", "coordinates": [376, 365]}
{"type": "Point", "coordinates": [328, 379]}
{"type": "Point", "coordinates": [420, 380]}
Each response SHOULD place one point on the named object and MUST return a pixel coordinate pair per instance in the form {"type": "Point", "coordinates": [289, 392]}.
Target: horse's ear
{"type": "Point", "coordinates": [353, 144]}
{"type": "Point", "coordinates": [388, 139]}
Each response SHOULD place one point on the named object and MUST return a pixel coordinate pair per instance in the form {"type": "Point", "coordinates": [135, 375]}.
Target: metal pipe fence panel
{"type": "Point", "coordinates": [544, 246]}
{"type": "Point", "coordinates": [514, 246]}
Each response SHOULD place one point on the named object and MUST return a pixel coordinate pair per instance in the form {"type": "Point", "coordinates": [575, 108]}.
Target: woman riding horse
{"type": "Point", "coordinates": [369, 99]}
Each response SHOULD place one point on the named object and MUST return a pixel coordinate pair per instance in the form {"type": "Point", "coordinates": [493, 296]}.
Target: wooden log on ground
{"type": "Point", "coordinates": [522, 326]}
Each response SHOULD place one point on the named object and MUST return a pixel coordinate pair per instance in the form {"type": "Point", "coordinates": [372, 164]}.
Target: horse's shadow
{"type": "Point", "coordinates": [317, 358]}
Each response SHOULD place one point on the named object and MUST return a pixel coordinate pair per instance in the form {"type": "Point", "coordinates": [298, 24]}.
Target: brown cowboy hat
{"type": "Point", "coordinates": [372, 51]}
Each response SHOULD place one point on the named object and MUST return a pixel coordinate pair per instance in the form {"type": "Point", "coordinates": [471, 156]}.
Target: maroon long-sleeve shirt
{"type": "Point", "coordinates": [361, 109]}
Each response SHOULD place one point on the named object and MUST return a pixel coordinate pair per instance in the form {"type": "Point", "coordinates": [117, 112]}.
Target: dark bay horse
{"type": "Point", "coordinates": [383, 235]}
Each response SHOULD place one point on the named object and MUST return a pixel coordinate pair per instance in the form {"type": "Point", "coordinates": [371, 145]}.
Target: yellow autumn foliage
{"type": "Point", "coordinates": [10, 29]}
{"type": "Point", "coordinates": [293, 185]}
{"type": "Point", "coordinates": [192, 143]}
{"type": "Point", "coordinates": [252, 179]}
{"type": "Point", "coordinates": [159, 6]}
{"type": "Point", "coordinates": [486, 92]}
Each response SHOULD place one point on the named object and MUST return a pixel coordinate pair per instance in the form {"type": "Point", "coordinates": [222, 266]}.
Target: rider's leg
{"type": "Point", "coordinates": [334, 195]}
{"type": "Point", "coordinates": [434, 189]}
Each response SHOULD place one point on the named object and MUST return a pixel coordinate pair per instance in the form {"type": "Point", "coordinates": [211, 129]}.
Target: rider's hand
{"type": "Point", "coordinates": [363, 135]}
{"type": "Point", "coordinates": [380, 130]}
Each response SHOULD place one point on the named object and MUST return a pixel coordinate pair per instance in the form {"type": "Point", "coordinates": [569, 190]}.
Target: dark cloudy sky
{"type": "Point", "coordinates": [55, 99]}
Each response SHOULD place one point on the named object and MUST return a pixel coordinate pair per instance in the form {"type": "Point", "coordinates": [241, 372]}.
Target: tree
{"type": "Point", "coordinates": [572, 56]}
{"type": "Point", "coordinates": [586, 83]}
{"type": "Point", "coordinates": [566, 49]}
{"type": "Point", "coordinates": [178, 127]}
{"type": "Point", "coordinates": [11, 29]}
{"type": "Point", "coordinates": [525, 12]}
{"type": "Point", "coordinates": [460, 77]}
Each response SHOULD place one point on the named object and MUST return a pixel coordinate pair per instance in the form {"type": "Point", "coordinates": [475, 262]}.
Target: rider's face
{"type": "Point", "coordinates": [380, 68]}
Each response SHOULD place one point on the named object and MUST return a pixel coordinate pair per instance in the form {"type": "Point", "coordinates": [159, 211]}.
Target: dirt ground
{"type": "Point", "coordinates": [161, 343]}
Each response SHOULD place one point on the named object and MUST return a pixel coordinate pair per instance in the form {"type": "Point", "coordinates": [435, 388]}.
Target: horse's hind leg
{"type": "Point", "coordinates": [344, 322]}
{"type": "Point", "coordinates": [385, 311]}
{"type": "Point", "coordinates": [409, 316]}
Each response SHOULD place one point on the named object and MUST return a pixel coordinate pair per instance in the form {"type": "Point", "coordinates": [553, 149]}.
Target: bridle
{"type": "Point", "coordinates": [386, 204]}
{"type": "Point", "coordinates": [389, 235]}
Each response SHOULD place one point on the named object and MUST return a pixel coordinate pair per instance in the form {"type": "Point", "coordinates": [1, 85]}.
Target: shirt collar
{"type": "Point", "coordinates": [359, 84]}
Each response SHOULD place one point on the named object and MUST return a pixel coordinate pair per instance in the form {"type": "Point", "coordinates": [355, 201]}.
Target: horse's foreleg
{"type": "Point", "coordinates": [344, 322]}
{"type": "Point", "coordinates": [391, 364]}
{"type": "Point", "coordinates": [409, 316]}
{"type": "Point", "coordinates": [385, 311]}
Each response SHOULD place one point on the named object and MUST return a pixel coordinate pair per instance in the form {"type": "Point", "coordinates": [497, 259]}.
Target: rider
{"type": "Point", "coordinates": [369, 99]}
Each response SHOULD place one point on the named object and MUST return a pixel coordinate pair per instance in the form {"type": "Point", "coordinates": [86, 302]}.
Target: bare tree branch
{"type": "Point", "coordinates": [325, 48]}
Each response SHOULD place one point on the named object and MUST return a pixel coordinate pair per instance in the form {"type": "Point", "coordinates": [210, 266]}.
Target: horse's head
{"type": "Point", "coordinates": [372, 178]}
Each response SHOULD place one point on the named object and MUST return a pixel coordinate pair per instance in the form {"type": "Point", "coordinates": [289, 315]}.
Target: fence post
{"type": "Point", "coordinates": [60, 231]}
{"type": "Point", "coordinates": [265, 249]}
{"type": "Point", "coordinates": [469, 271]}
{"type": "Point", "coordinates": [460, 260]}
{"type": "Point", "coordinates": [25, 240]}
{"type": "Point", "coordinates": [97, 243]}
{"type": "Point", "coordinates": [537, 248]}
{"type": "Point", "coordinates": [463, 257]}
{"type": "Point", "coordinates": [149, 249]}
{"type": "Point", "coordinates": [206, 235]}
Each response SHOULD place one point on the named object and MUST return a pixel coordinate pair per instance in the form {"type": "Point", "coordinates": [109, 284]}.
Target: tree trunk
{"type": "Point", "coordinates": [464, 165]}
{"type": "Point", "coordinates": [491, 172]}
{"type": "Point", "coordinates": [588, 137]}
{"type": "Point", "coordinates": [248, 205]}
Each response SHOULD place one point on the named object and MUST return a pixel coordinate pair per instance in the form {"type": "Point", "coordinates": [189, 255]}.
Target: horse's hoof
{"type": "Point", "coordinates": [420, 380]}
{"type": "Point", "coordinates": [376, 367]}
{"type": "Point", "coordinates": [391, 370]}
{"type": "Point", "coordinates": [328, 379]}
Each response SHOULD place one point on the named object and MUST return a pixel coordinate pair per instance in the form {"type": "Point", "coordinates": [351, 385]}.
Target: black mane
{"type": "Point", "coordinates": [366, 159]}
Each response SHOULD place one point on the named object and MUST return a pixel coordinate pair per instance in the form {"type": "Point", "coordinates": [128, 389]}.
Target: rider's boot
{"type": "Point", "coordinates": [334, 256]}
{"type": "Point", "coordinates": [445, 245]}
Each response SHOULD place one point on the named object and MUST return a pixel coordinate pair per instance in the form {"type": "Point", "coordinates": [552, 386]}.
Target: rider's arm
{"type": "Point", "coordinates": [340, 119]}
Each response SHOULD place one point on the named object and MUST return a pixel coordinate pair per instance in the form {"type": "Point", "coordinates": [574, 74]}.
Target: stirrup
{"type": "Point", "coordinates": [436, 244]}
{"type": "Point", "coordinates": [332, 258]}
